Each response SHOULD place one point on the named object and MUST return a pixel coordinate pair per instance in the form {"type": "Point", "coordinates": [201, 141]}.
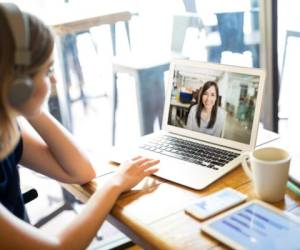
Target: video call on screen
{"type": "Point", "coordinates": [234, 107]}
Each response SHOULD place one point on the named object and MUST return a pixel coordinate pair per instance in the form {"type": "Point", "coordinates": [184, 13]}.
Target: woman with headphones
{"type": "Point", "coordinates": [26, 72]}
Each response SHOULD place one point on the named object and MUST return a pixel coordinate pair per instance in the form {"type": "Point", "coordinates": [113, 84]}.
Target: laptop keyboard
{"type": "Point", "coordinates": [197, 153]}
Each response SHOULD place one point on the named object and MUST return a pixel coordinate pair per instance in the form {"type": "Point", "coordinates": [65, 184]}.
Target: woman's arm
{"type": "Point", "coordinates": [15, 234]}
{"type": "Point", "coordinates": [54, 154]}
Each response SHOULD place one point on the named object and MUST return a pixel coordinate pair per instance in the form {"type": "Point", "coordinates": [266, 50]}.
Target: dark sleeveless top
{"type": "Point", "coordinates": [10, 193]}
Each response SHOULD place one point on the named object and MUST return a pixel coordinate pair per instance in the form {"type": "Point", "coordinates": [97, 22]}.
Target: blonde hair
{"type": "Point", "coordinates": [41, 46]}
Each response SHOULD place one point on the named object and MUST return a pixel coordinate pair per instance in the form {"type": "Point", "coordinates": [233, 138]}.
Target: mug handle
{"type": "Point", "coordinates": [245, 165]}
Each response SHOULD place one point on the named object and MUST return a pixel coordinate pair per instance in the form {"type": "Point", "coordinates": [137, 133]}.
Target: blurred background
{"type": "Point", "coordinates": [109, 52]}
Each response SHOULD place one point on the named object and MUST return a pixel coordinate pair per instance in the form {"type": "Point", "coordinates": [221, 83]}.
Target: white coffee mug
{"type": "Point", "coordinates": [269, 172]}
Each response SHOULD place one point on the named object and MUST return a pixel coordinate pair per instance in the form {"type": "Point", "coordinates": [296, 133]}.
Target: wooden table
{"type": "Point", "coordinates": [153, 216]}
{"type": "Point", "coordinates": [71, 22]}
{"type": "Point", "coordinates": [85, 23]}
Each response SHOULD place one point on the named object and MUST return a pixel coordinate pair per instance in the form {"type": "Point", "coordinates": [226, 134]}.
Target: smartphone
{"type": "Point", "coordinates": [215, 203]}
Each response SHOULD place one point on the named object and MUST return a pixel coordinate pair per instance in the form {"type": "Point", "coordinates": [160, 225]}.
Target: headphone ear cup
{"type": "Point", "coordinates": [20, 91]}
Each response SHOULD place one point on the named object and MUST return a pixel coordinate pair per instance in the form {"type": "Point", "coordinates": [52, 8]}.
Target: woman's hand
{"type": "Point", "coordinates": [132, 172]}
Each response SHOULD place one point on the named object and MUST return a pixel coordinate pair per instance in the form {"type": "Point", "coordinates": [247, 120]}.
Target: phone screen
{"type": "Point", "coordinates": [218, 201]}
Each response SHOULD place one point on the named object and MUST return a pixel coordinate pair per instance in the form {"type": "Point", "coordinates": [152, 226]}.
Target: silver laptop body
{"type": "Point", "coordinates": [196, 156]}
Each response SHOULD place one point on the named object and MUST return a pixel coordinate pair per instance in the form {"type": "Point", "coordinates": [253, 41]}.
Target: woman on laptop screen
{"type": "Point", "coordinates": [205, 116]}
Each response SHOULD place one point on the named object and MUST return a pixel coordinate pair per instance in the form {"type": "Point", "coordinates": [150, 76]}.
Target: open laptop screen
{"type": "Point", "coordinates": [215, 100]}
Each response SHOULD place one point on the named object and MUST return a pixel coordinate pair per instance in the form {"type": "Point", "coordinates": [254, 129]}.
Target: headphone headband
{"type": "Point", "coordinates": [22, 87]}
{"type": "Point", "coordinates": [19, 25]}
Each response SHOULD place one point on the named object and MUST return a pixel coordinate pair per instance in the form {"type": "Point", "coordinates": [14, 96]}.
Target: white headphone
{"type": "Point", "coordinates": [22, 87]}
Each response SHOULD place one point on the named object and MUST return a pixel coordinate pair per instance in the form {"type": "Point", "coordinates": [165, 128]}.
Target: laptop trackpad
{"type": "Point", "coordinates": [175, 170]}
{"type": "Point", "coordinates": [191, 175]}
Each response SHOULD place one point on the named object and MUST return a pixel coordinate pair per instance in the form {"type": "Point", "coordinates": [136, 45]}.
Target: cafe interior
{"type": "Point", "coordinates": [107, 51]}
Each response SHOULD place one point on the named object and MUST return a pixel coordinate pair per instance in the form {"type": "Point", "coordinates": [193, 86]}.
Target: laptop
{"type": "Point", "coordinates": [195, 149]}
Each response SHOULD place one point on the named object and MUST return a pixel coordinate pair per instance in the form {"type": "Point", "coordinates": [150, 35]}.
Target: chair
{"type": "Point", "coordinates": [120, 242]}
{"type": "Point", "coordinates": [229, 29]}
{"type": "Point", "coordinates": [181, 23]}
{"type": "Point", "coordinates": [233, 37]}
{"type": "Point", "coordinates": [148, 73]}
{"type": "Point", "coordinates": [149, 79]}
{"type": "Point", "coordinates": [67, 204]}
{"type": "Point", "coordinates": [217, 35]}
{"type": "Point", "coordinates": [29, 195]}
{"type": "Point", "coordinates": [252, 38]}
{"type": "Point", "coordinates": [71, 61]}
